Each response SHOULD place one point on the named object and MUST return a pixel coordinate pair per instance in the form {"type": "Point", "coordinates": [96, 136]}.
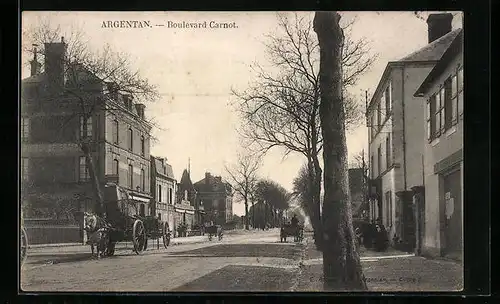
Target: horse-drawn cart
{"type": "Point", "coordinates": [121, 222]}
{"type": "Point", "coordinates": [297, 231]}
{"type": "Point", "coordinates": [214, 230]}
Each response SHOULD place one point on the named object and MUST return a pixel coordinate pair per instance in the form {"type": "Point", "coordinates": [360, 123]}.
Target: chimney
{"type": "Point", "coordinates": [55, 54]}
{"type": "Point", "coordinates": [438, 25]}
{"type": "Point", "coordinates": [207, 177]}
{"type": "Point", "coordinates": [112, 90]}
{"type": "Point", "coordinates": [35, 65]}
{"type": "Point", "coordinates": [140, 109]}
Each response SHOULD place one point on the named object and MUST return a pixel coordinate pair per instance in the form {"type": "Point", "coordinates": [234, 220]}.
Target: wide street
{"type": "Point", "coordinates": [180, 267]}
{"type": "Point", "coordinates": [242, 261]}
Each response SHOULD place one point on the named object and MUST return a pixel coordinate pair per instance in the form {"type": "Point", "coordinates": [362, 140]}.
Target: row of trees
{"type": "Point", "coordinates": [250, 189]}
{"type": "Point", "coordinates": [302, 104]}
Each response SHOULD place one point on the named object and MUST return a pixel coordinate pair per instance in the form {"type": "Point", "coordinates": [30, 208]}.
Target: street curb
{"type": "Point", "coordinates": [55, 245]}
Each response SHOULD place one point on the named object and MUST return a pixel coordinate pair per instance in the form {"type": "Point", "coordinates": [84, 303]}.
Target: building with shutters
{"type": "Point", "coordinates": [163, 189]}
{"type": "Point", "coordinates": [397, 135]}
{"type": "Point", "coordinates": [55, 173]}
{"type": "Point", "coordinates": [216, 197]}
{"type": "Point", "coordinates": [440, 200]}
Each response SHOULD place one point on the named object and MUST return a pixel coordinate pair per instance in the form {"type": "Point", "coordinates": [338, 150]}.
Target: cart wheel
{"type": "Point", "coordinates": [111, 248]}
{"type": "Point", "coordinates": [138, 236]}
{"type": "Point", "coordinates": [23, 246]}
{"type": "Point", "coordinates": [166, 235]}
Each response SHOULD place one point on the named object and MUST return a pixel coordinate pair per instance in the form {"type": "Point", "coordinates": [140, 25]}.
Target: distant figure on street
{"type": "Point", "coordinates": [294, 221]}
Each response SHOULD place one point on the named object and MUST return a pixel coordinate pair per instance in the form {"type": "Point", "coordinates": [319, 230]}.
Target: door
{"type": "Point", "coordinates": [453, 213]}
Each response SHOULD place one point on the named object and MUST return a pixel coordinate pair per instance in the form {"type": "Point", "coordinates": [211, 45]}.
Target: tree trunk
{"type": "Point", "coordinates": [246, 214]}
{"type": "Point", "coordinates": [314, 213]}
{"type": "Point", "coordinates": [341, 265]}
{"type": "Point", "coordinates": [253, 214]}
{"type": "Point", "coordinates": [96, 186]}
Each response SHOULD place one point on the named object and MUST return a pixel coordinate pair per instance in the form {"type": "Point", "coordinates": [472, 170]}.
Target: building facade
{"type": "Point", "coordinates": [163, 188]}
{"type": "Point", "coordinates": [440, 201]}
{"type": "Point", "coordinates": [216, 197]}
{"type": "Point", "coordinates": [54, 169]}
{"type": "Point", "coordinates": [397, 136]}
{"type": "Point", "coordinates": [185, 202]}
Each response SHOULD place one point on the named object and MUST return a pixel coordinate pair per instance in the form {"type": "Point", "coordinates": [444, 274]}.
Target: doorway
{"type": "Point", "coordinates": [452, 193]}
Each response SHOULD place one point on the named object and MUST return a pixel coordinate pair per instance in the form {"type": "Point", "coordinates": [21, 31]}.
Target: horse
{"type": "Point", "coordinates": [98, 233]}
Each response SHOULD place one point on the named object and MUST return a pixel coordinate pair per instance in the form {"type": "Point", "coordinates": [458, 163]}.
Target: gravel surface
{"type": "Point", "coordinates": [243, 278]}
{"type": "Point", "coordinates": [153, 270]}
{"type": "Point", "coordinates": [247, 250]}
{"type": "Point", "coordinates": [390, 275]}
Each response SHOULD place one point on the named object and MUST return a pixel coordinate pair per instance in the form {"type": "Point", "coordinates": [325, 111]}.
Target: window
{"type": "Point", "coordinates": [460, 91]}
{"type": "Point", "coordinates": [85, 128]}
{"type": "Point", "coordinates": [143, 146]}
{"type": "Point", "coordinates": [25, 128]}
{"type": "Point", "coordinates": [130, 176]}
{"type": "Point", "coordinates": [372, 165]}
{"type": "Point", "coordinates": [388, 100]}
{"type": "Point", "coordinates": [24, 168]}
{"type": "Point", "coordinates": [159, 193]}
{"type": "Point", "coordinates": [441, 111]}
{"type": "Point", "coordinates": [379, 160]}
{"type": "Point", "coordinates": [388, 210]}
{"type": "Point", "coordinates": [430, 109]}
{"type": "Point", "coordinates": [450, 104]}
{"type": "Point", "coordinates": [83, 169]}
{"type": "Point", "coordinates": [379, 116]}
{"type": "Point", "coordinates": [374, 125]}
{"type": "Point", "coordinates": [116, 166]}
{"type": "Point", "coordinates": [143, 180]}
{"type": "Point", "coordinates": [170, 195]}
{"type": "Point", "coordinates": [159, 216]}
{"type": "Point", "coordinates": [388, 153]}
{"type": "Point", "coordinates": [130, 139]}
{"type": "Point", "coordinates": [115, 131]}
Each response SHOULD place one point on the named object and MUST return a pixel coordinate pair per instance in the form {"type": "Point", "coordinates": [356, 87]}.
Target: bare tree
{"type": "Point", "coordinates": [281, 109]}
{"type": "Point", "coordinates": [86, 82]}
{"type": "Point", "coordinates": [275, 199]}
{"type": "Point", "coordinates": [341, 263]}
{"type": "Point", "coordinates": [243, 177]}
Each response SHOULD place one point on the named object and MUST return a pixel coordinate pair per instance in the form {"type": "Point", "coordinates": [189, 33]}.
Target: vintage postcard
{"type": "Point", "coordinates": [241, 151]}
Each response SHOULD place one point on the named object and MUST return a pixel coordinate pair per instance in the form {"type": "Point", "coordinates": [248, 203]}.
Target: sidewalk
{"type": "Point", "coordinates": [389, 272]}
{"type": "Point", "coordinates": [173, 241]}
{"type": "Point", "coordinates": [79, 247]}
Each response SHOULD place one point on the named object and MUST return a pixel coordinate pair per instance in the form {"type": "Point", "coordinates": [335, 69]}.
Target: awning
{"type": "Point", "coordinates": [180, 210]}
{"type": "Point", "coordinates": [189, 212]}
{"type": "Point", "coordinates": [139, 198]}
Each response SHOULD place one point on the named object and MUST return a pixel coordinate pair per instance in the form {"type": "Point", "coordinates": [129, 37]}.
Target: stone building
{"type": "Point", "coordinates": [440, 201]}
{"type": "Point", "coordinates": [55, 173]}
{"type": "Point", "coordinates": [163, 188]}
{"type": "Point", "coordinates": [216, 197]}
{"type": "Point", "coordinates": [397, 135]}
{"type": "Point", "coordinates": [185, 200]}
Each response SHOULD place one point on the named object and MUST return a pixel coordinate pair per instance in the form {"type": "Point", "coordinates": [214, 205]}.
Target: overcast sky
{"type": "Point", "coordinates": [195, 69]}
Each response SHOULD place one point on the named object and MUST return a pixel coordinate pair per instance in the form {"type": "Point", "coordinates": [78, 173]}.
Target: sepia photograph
{"type": "Point", "coordinates": [241, 151]}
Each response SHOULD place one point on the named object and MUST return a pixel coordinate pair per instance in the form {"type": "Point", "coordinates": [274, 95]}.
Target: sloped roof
{"type": "Point", "coordinates": [186, 179]}
{"type": "Point", "coordinates": [453, 49]}
{"type": "Point", "coordinates": [434, 50]}
{"type": "Point", "coordinates": [431, 53]}
{"type": "Point", "coordinates": [163, 168]}
{"type": "Point", "coordinates": [213, 181]}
